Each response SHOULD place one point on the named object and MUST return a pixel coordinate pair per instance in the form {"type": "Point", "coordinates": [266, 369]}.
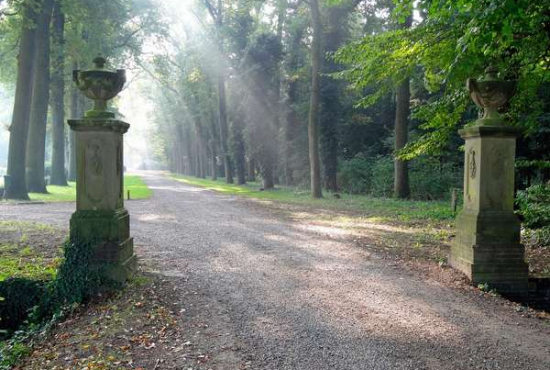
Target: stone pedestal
{"type": "Point", "coordinates": [487, 247]}
{"type": "Point", "coordinates": [100, 218]}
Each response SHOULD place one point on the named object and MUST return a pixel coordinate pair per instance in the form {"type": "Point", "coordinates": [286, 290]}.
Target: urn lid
{"type": "Point", "coordinates": [491, 73]}
{"type": "Point", "coordinates": [100, 84]}
{"type": "Point", "coordinates": [491, 94]}
{"type": "Point", "coordinates": [99, 63]}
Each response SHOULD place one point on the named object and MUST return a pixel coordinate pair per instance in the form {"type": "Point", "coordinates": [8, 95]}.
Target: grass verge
{"type": "Point", "coordinates": [382, 209]}
{"type": "Point", "coordinates": [138, 190]}
{"type": "Point", "coordinates": [29, 250]}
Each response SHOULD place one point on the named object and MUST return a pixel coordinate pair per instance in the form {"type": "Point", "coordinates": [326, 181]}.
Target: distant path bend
{"type": "Point", "coordinates": [281, 294]}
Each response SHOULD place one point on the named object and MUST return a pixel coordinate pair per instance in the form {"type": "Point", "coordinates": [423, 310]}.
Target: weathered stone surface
{"type": "Point", "coordinates": [100, 218]}
{"type": "Point", "coordinates": [487, 247]}
{"type": "Point", "coordinates": [99, 156]}
{"type": "Point", "coordinates": [100, 84]}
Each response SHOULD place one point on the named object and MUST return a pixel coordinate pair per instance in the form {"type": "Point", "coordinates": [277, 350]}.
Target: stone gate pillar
{"type": "Point", "coordinates": [100, 218]}
{"type": "Point", "coordinates": [487, 247]}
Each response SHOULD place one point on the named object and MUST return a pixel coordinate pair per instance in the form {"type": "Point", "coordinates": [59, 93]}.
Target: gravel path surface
{"type": "Point", "coordinates": [274, 293]}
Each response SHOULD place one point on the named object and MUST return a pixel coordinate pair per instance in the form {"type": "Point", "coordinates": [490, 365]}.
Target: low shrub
{"type": "Point", "coordinates": [429, 179]}
{"type": "Point", "coordinates": [382, 177]}
{"type": "Point", "coordinates": [533, 206]}
{"type": "Point", "coordinates": [355, 176]}
{"type": "Point", "coordinates": [33, 302]}
{"type": "Point", "coordinates": [17, 297]}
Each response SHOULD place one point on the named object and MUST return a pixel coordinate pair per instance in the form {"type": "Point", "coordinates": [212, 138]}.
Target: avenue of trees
{"type": "Point", "coordinates": [346, 95]}
{"type": "Point", "coordinates": [41, 42]}
{"type": "Point", "coordinates": [360, 96]}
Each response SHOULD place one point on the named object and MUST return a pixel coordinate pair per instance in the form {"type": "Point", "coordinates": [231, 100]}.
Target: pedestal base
{"type": "Point", "coordinates": [108, 233]}
{"type": "Point", "coordinates": [488, 250]}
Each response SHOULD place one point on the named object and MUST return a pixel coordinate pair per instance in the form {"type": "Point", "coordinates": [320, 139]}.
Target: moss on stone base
{"type": "Point", "coordinates": [108, 233]}
{"type": "Point", "coordinates": [488, 251]}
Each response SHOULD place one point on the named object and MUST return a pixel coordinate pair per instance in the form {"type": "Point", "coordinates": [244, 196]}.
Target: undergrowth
{"type": "Point", "coordinates": [28, 307]}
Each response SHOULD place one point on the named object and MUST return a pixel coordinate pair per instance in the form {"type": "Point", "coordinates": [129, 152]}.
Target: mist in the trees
{"type": "Point", "coordinates": [243, 90]}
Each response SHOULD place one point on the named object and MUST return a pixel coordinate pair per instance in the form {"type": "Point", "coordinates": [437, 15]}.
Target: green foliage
{"type": "Point", "coordinates": [32, 302]}
{"type": "Point", "coordinates": [379, 208]}
{"type": "Point", "coordinates": [19, 296]}
{"type": "Point", "coordinates": [11, 352]}
{"type": "Point", "coordinates": [538, 164]}
{"type": "Point", "coordinates": [454, 40]}
{"type": "Point", "coordinates": [382, 177]}
{"type": "Point", "coordinates": [77, 279]}
{"type": "Point", "coordinates": [429, 179]}
{"type": "Point", "coordinates": [355, 175]}
{"type": "Point", "coordinates": [534, 208]}
{"type": "Point", "coordinates": [33, 268]}
{"type": "Point", "coordinates": [137, 187]}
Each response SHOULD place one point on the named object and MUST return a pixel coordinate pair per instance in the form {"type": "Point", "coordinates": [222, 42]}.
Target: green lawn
{"type": "Point", "coordinates": [29, 250]}
{"type": "Point", "coordinates": [383, 208]}
{"type": "Point", "coordinates": [136, 186]}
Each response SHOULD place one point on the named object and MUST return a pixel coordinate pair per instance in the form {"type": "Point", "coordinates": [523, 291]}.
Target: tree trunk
{"type": "Point", "coordinates": [281, 19]}
{"type": "Point", "coordinates": [72, 143]}
{"type": "Point", "coordinates": [313, 134]}
{"type": "Point", "coordinates": [332, 110]}
{"type": "Point", "coordinates": [58, 176]}
{"type": "Point", "coordinates": [74, 110]}
{"type": "Point", "coordinates": [401, 168]}
{"type": "Point", "coordinates": [402, 111]}
{"type": "Point", "coordinates": [239, 150]}
{"type": "Point", "coordinates": [202, 157]}
{"type": "Point", "coordinates": [190, 152]}
{"type": "Point", "coordinates": [215, 145]}
{"type": "Point", "coordinates": [15, 185]}
{"type": "Point", "coordinates": [289, 171]}
{"type": "Point", "coordinates": [267, 172]}
{"type": "Point", "coordinates": [36, 143]}
{"type": "Point", "coordinates": [214, 167]}
{"type": "Point", "coordinates": [292, 100]}
{"type": "Point", "coordinates": [251, 169]}
{"type": "Point", "coordinates": [178, 152]}
{"type": "Point", "coordinates": [222, 101]}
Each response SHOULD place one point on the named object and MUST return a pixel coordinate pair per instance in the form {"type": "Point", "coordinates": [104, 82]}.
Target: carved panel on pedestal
{"type": "Point", "coordinates": [119, 174]}
{"type": "Point", "coordinates": [471, 171]}
{"type": "Point", "coordinates": [498, 163]}
{"type": "Point", "coordinates": [93, 183]}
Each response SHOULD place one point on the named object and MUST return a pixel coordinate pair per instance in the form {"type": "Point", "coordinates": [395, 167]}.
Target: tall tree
{"type": "Point", "coordinates": [332, 108]}
{"type": "Point", "coordinates": [58, 176]}
{"type": "Point", "coordinates": [295, 59]}
{"type": "Point", "coordinates": [217, 15]}
{"type": "Point", "coordinates": [313, 123]}
{"type": "Point", "coordinates": [16, 186]}
{"type": "Point", "coordinates": [36, 143]}
{"type": "Point", "coordinates": [262, 59]}
{"type": "Point", "coordinates": [74, 114]}
{"type": "Point", "coordinates": [402, 112]}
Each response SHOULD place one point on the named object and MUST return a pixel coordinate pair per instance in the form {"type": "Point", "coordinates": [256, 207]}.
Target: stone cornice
{"type": "Point", "coordinates": [489, 131]}
{"type": "Point", "coordinates": [95, 124]}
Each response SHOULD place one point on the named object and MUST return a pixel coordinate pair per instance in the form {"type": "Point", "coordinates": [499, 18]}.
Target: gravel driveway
{"type": "Point", "coordinates": [280, 294]}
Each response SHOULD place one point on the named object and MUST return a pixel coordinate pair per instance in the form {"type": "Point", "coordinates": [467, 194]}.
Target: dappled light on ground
{"type": "Point", "coordinates": [295, 289]}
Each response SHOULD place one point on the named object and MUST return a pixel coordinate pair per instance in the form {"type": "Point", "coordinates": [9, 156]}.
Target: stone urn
{"type": "Point", "coordinates": [100, 219]}
{"type": "Point", "coordinates": [491, 94]}
{"type": "Point", "coordinates": [100, 84]}
{"type": "Point", "coordinates": [487, 246]}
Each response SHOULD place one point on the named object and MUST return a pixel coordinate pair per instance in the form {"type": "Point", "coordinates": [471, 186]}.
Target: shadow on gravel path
{"type": "Point", "coordinates": [278, 292]}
